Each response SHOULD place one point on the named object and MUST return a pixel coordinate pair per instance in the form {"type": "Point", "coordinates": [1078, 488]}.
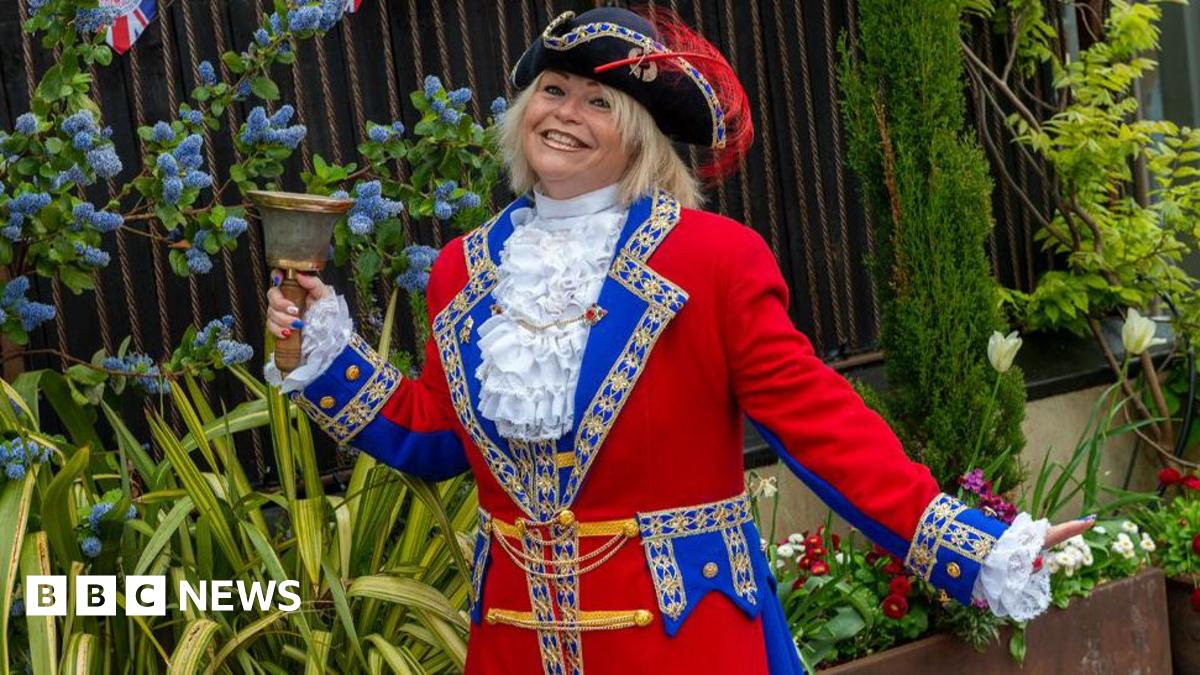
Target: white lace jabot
{"type": "Point", "coordinates": [551, 268]}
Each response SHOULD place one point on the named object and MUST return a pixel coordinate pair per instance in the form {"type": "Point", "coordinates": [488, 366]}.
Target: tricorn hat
{"type": "Point", "coordinates": [691, 91]}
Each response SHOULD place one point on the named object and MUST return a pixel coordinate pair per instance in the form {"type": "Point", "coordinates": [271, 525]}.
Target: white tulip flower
{"type": "Point", "coordinates": [1002, 350]}
{"type": "Point", "coordinates": [1137, 335]}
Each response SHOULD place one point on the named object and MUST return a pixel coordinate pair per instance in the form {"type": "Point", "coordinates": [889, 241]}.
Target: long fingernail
{"type": "Point", "coordinates": [287, 332]}
{"type": "Point", "coordinates": [293, 310]}
{"type": "Point", "coordinates": [297, 324]}
{"type": "Point", "coordinates": [1089, 518]}
{"type": "Point", "coordinates": [276, 280]}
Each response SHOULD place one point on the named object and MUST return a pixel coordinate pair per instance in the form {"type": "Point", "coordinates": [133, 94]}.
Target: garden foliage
{"type": "Point", "coordinates": [925, 180]}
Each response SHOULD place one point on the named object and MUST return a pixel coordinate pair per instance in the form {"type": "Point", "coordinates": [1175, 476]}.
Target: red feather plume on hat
{"type": "Point", "coordinates": [705, 57]}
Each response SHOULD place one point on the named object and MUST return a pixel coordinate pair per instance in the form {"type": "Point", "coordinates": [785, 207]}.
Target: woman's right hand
{"type": "Point", "coordinates": [282, 316]}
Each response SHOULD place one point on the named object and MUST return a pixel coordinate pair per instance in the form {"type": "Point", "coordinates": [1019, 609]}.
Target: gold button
{"type": "Point", "coordinates": [643, 617]}
{"type": "Point", "coordinates": [710, 570]}
{"type": "Point", "coordinates": [327, 402]}
{"type": "Point", "coordinates": [953, 570]}
{"type": "Point", "coordinates": [565, 517]}
{"type": "Point", "coordinates": [352, 373]}
{"type": "Point", "coordinates": [631, 530]}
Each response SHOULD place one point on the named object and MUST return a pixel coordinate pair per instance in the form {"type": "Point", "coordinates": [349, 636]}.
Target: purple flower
{"type": "Point", "coordinates": [360, 224]}
{"type": "Point", "coordinates": [91, 256]}
{"type": "Point", "coordinates": [282, 116]}
{"type": "Point", "coordinates": [443, 190]}
{"type": "Point", "coordinates": [172, 190]}
{"type": "Point", "coordinates": [82, 141]}
{"type": "Point", "coordinates": [197, 180]}
{"type": "Point", "coordinates": [398, 127]}
{"type": "Point", "coordinates": [432, 86]}
{"type": "Point", "coordinates": [91, 547]}
{"type": "Point", "coordinates": [233, 226]}
{"type": "Point", "coordinates": [469, 200]}
{"type": "Point", "coordinates": [104, 161]}
{"type": "Point", "coordinates": [233, 352]}
{"type": "Point", "coordinates": [167, 165]}
{"type": "Point", "coordinates": [450, 116]}
{"type": "Point", "coordinates": [499, 107]}
{"type": "Point", "coordinates": [459, 97]}
{"type": "Point", "coordinates": [33, 314]}
{"type": "Point", "coordinates": [193, 117]}
{"type": "Point", "coordinates": [92, 20]}
{"type": "Point", "coordinates": [14, 471]}
{"type": "Point", "coordinates": [198, 261]}
{"type": "Point", "coordinates": [27, 124]}
{"type": "Point", "coordinates": [261, 37]}
{"type": "Point", "coordinates": [187, 153]}
{"type": "Point", "coordinates": [973, 481]}
{"type": "Point", "coordinates": [83, 120]}
{"type": "Point", "coordinates": [99, 510]}
{"type": "Point", "coordinates": [162, 133]}
{"type": "Point", "coordinates": [442, 210]}
{"type": "Point", "coordinates": [206, 73]}
{"type": "Point", "coordinates": [379, 134]}
{"type": "Point", "coordinates": [243, 90]}
{"type": "Point", "coordinates": [305, 18]}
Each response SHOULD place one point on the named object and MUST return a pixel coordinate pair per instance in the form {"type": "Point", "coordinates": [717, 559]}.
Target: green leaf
{"type": "Point", "coordinates": [16, 497]}
{"type": "Point", "coordinates": [54, 145]}
{"type": "Point", "coordinates": [234, 62]}
{"type": "Point", "coordinates": [264, 88]}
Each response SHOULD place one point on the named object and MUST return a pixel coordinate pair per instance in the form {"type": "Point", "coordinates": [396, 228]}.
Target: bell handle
{"type": "Point", "coordinates": [287, 350]}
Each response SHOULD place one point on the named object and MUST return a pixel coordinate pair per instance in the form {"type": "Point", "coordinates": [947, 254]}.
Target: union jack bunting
{"type": "Point", "coordinates": [352, 6]}
{"type": "Point", "coordinates": [134, 16]}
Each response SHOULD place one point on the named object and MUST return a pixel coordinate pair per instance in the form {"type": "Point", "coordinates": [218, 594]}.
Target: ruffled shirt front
{"type": "Point", "coordinates": [551, 270]}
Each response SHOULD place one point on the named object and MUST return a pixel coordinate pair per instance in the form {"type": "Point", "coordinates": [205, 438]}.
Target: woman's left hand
{"type": "Point", "coordinates": [1064, 531]}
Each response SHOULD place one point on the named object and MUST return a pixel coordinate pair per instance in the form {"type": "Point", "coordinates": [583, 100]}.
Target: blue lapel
{"type": "Point", "coordinates": [639, 303]}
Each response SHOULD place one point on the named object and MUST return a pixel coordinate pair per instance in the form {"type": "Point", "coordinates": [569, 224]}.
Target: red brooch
{"type": "Point", "coordinates": [593, 314]}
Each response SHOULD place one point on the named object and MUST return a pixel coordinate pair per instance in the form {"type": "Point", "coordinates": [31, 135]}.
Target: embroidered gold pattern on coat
{"type": "Point", "coordinates": [661, 528]}
{"type": "Point", "coordinates": [613, 392]}
{"type": "Point", "coordinates": [939, 528]}
{"type": "Point", "coordinates": [345, 423]}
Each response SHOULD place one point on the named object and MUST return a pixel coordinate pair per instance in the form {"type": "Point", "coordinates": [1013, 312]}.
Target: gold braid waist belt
{"type": "Point", "coordinates": [567, 564]}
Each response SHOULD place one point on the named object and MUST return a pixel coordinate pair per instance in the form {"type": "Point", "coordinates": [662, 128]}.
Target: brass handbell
{"type": "Point", "coordinates": [297, 230]}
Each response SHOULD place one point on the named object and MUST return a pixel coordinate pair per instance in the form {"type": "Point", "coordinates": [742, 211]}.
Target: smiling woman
{"type": "Point", "coordinates": [596, 348]}
{"type": "Point", "coordinates": [572, 134]}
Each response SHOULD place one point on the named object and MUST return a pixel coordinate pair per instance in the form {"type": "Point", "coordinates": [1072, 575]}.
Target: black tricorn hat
{"type": "Point", "coordinates": [690, 90]}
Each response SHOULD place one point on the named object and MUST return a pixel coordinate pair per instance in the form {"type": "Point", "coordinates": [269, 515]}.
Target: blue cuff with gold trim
{"type": "Point", "coordinates": [950, 544]}
{"type": "Point", "coordinates": [345, 401]}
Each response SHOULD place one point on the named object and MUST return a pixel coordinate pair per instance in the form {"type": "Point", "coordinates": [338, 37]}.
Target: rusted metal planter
{"type": "Point", "coordinates": [1185, 627]}
{"type": "Point", "coordinates": [1120, 628]}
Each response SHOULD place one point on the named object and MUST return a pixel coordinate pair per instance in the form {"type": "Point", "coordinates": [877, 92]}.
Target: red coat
{"type": "Point", "coordinates": [694, 337]}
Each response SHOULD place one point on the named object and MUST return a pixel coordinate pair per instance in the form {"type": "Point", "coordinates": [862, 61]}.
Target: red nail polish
{"type": "Point", "coordinates": [287, 332]}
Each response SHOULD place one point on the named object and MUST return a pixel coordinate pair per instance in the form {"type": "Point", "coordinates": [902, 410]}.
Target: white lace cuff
{"type": "Point", "coordinates": [327, 331]}
{"type": "Point", "coordinates": [1007, 580]}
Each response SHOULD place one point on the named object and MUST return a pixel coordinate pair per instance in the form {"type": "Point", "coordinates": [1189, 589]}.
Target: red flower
{"type": "Point", "coordinates": [1196, 544]}
{"type": "Point", "coordinates": [900, 586]}
{"type": "Point", "coordinates": [805, 562]}
{"type": "Point", "coordinates": [1192, 482]}
{"type": "Point", "coordinates": [894, 567]}
{"type": "Point", "coordinates": [871, 557]}
{"type": "Point", "coordinates": [895, 607]}
{"type": "Point", "coordinates": [799, 583]}
{"type": "Point", "coordinates": [1169, 476]}
{"type": "Point", "coordinates": [1037, 564]}
{"type": "Point", "coordinates": [819, 568]}
{"type": "Point", "coordinates": [817, 551]}
{"type": "Point", "coordinates": [813, 540]}
{"type": "Point", "coordinates": [1196, 599]}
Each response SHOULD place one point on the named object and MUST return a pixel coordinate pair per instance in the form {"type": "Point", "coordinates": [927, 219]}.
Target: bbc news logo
{"type": "Point", "coordinates": [146, 595]}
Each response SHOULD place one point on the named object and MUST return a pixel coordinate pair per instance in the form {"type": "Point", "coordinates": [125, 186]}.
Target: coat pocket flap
{"type": "Point", "coordinates": [695, 550]}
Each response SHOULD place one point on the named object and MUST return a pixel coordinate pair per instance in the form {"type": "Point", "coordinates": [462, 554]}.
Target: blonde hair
{"type": "Point", "coordinates": [653, 162]}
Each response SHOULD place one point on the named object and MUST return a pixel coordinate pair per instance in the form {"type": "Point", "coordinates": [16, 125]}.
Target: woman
{"type": "Point", "coordinates": [594, 350]}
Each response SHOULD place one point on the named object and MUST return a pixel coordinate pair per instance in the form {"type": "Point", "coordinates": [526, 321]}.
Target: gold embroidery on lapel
{"type": "Point", "coordinates": [664, 300]}
{"type": "Point", "coordinates": [479, 285]}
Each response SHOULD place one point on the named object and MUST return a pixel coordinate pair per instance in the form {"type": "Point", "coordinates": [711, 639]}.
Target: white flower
{"type": "Point", "coordinates": [779, 564]}
{"type": "Point", "coordinates": [1002, 349]}
{"type": "Point", "coordinates": [1148, 544]}
{"type": "Point", "coordinates": [795, 538]}
{"type": "Point", "coordinates": [786, 551]}
{"type": "Point", "coordinates": [1088, 559]}
{"type": "Point", "coordinates": [1099, 529]}
{"type": "Point", "coordinates": [768, 488]}
{"type": "Point", "coordinates": [1123, 545]}
{"type": "Point", "coordinates": [841, 558]}
{"type": "Point", "coordinates": [1077, 542]}
{"type": "Point", "coordinates": [1129, 526]}
{"type": "Point", "coordinates": [1052, 565]}
{"type": "Point", "coordinates": [1123, 539]}
{"type": "Point", "coordinates": [1137, 335]}
{"type": "Point", "coordinates": [1128, 555]}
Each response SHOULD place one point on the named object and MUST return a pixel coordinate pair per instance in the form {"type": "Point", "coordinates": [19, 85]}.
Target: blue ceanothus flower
{"type": "Point", "coordinates": [420, 260]}
{"type": "Point", "coordinates": [370, 207]}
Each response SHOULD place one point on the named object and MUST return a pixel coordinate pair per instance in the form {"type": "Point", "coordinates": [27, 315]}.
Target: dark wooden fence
{"type": "Point", "coordinates": [794, 186]}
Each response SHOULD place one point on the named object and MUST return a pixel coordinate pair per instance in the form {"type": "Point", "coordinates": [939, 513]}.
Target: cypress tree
{"type": "Point", "coordinates": [925, 180]}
